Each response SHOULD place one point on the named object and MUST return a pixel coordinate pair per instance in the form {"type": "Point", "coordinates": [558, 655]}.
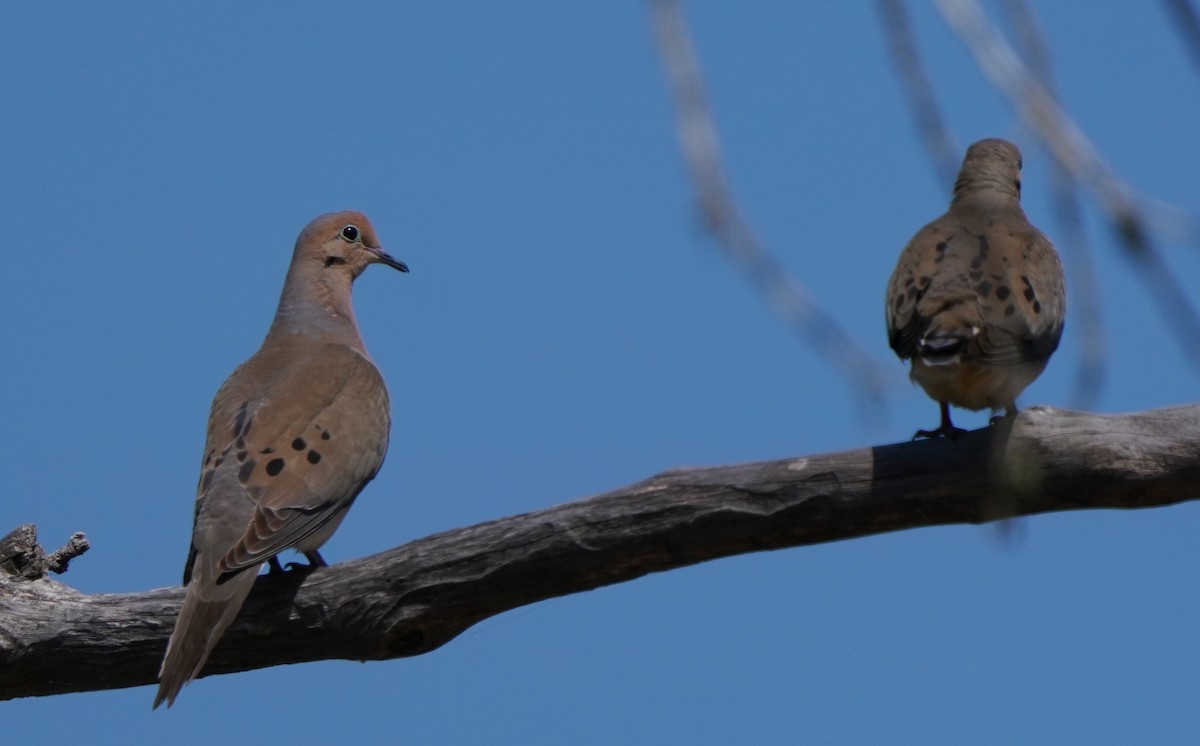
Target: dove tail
{"type": "Point", "coordinates": [941, 348]}
{"type": "Point", "coordinates": [201, 623]}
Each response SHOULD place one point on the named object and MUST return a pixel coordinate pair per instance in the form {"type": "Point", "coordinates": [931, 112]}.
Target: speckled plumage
{"type": "Point", "coordinates": [977, 299]}
{"type": "Point", "coordinates": [294, 435]}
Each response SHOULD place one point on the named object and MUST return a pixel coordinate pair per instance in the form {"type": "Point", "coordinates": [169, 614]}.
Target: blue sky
{"type": "Point", "coordinates": [567, 329]}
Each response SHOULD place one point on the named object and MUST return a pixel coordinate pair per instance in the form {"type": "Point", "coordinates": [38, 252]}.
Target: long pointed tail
{"type": "Point", "coordinates": [207, 611]}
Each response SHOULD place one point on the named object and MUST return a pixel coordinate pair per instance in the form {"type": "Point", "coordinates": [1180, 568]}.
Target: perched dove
{"type": "Point", "coordinates": [294, 434]}
{"type": "Point", "coordinates": [977, 299]}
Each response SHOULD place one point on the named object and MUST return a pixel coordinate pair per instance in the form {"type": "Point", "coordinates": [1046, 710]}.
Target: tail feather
{"type": "Point", "coordinates": [201, 623]}
{"type": "Point", "coordinates": [942, 347]}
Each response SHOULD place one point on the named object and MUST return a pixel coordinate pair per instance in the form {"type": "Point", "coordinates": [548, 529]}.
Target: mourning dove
{"type": "Point", "coordinates": [977, 299]}
{"type": "Point", "coordinates": [293, 436]}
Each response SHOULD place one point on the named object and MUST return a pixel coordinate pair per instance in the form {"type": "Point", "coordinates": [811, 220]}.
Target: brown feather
{"type": "Point", "coordinates": [977, 300]}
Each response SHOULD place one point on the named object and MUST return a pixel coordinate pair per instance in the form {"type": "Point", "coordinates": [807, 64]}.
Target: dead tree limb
{"type": "Point", "coordinates": [415, 598]}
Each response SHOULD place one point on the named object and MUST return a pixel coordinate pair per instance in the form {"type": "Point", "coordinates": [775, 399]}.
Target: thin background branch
{"type": "Point", "coordinates": [1187, 24]}
{"type": "Point", "coordinates": [701, 151]}
{"type": "Point", "coordinates": [914, 80]}
{"type": "Point", "coordinates": [1076, 154]}
{"type": "Point", "coordinates": [1072, 236]}
{"type": "Point", "coordinates": [944, 157]}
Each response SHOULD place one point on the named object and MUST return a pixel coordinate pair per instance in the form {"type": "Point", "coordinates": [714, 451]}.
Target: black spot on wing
{"type": "Point", "coordinates": [1029, 293]}
{"type": "Point", "coordinates": [274, 466]}
{"type": "Point", "coordinates": [246, 470]}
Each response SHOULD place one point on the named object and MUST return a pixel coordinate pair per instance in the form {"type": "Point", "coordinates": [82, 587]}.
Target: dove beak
{"type": "Point", "coordinates": [383, 257]}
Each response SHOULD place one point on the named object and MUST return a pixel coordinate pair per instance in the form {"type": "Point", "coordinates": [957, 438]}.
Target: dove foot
{"type": "Point", "coordinates": [945, 430]}
{"type": "Point", "coordinates": [1010, 413]}
{"type": "Point", "coordinates": [941, 432]}
{"type": "Point", "coordinates": [315, 560]}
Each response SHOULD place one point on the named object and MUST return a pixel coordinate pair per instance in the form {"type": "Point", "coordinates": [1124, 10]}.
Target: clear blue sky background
{"type": "Point", "coordinates": [568, 329]}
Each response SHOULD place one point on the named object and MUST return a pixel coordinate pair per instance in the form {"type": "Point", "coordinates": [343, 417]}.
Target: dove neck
{"type": "Point", "coordinates": [986, 191]}
{"type": "Point", "coordinates": [317, 307]}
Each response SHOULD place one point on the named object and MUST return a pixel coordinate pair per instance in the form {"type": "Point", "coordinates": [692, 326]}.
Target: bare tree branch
{"type": "Point", "coordinates": [697, 134]}
{"type": "Point", "coordinates": [1076, 154]}
{"type": "Point", "coordinates": [415, 598]}
{"type": "Point", "coordinates": [1187, 24]}
{"type": "Point", "coordinates": [922, 103]}
{"type": "Point", "coordinates": [21, 555]}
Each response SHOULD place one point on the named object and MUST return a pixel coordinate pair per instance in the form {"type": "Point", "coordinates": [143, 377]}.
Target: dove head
{"type": "Point", "coordinates": [342, 243]}
{"type": "Point", "coordinates": [331, 252]}
{"type": "Point", "coordinates": [991, 171]}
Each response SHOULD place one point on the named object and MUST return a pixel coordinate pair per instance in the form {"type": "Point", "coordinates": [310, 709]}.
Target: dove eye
{"type": "Point", "coordinates": [350, 233]}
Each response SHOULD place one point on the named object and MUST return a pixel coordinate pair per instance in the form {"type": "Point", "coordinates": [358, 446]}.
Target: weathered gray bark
{"type": "Point", "coordinates": [414, 598]}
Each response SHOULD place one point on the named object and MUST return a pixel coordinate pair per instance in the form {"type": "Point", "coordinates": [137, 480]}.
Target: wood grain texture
{"type": "Point", "coordinates": [414, 598]}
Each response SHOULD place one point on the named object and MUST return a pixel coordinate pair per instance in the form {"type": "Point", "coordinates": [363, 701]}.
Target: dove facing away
{"type": "Point", "coordinates": [977, 300]}
{"type": "Point", "coordinates": [294, 435]}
